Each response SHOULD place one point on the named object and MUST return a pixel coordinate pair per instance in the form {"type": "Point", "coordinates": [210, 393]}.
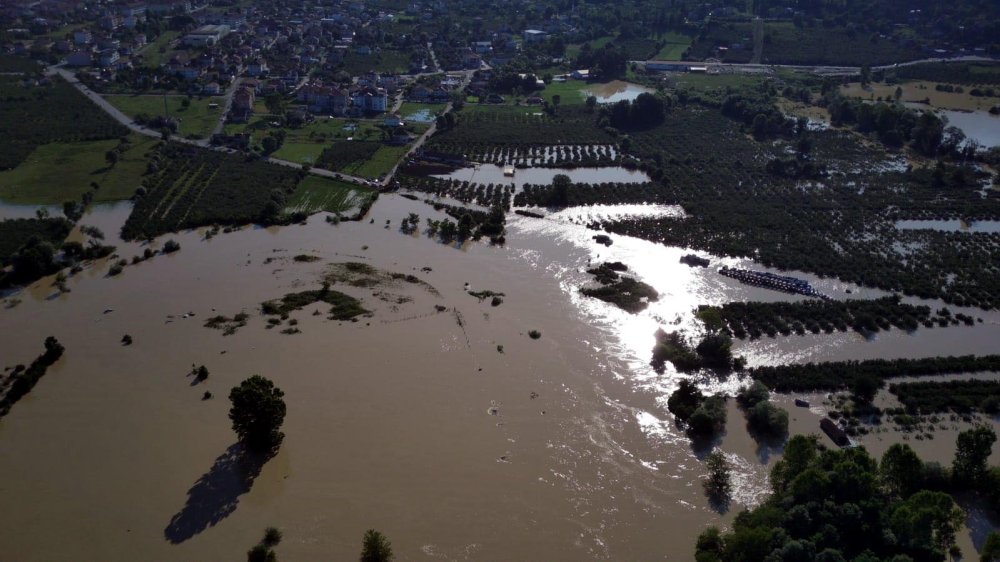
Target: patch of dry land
{"type": "Point", "coordinates": [922, 92]}
{"type": "Point", "coordinates": [431, 416]}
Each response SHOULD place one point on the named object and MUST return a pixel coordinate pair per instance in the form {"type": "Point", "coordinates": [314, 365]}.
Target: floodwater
{"type": "Point", "coordinates": [978, 125]}
{"type": "Point", "coordinates": [615, 91]}
{"type": "Point", "coordinates": [490, 173]}
{"type": "Point", "coordinates": [421, 116]}
{"type": "Point", "coordinates": [411, 421]}
{"type": "Point", "coordinates": [955, 225]}
{"type": "Point", "coordinates": [17, 211]}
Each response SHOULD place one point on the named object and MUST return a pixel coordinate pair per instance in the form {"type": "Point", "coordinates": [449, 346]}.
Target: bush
{"type": "Point", "coordinates": [534, 334]}
{"type": "Point", "coordinates": [685, 400]}
{"type": "Point", "coordinates": [709, 418]}
{"type": "Point", "coordinates": [768, 420]}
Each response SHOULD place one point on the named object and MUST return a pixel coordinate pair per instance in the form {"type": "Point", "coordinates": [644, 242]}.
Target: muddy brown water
{"type": "Point", "coordinates": [409, 421]}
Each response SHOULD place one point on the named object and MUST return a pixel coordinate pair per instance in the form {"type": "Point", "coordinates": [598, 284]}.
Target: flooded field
{"type": "Point", "coordinates": [615, 91]}
{"type": "Point", "coordinates": [414, 421]}
{"type": "Point", "coordinates": [490, 173]}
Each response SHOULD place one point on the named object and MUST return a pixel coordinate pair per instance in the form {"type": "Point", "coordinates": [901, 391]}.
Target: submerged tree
{"type": "Point", "coordinates": [718, 486]}
{"type": "Point", "coordinates": [375, 547]}
{"type": "Point", "coordinates": [257, 412]}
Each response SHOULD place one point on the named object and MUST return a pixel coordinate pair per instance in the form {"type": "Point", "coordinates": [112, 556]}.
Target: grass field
{"type": "Point", "coordinates": [677, 43]}
{"type": "Point", "coordinates": [379, 164]}
{"type": "Point", "coordinates": [573, 50]}
{"type": "Point", "coordinates": [58, 172]}
{"type": "Point", "coordinates": [315, 194]}
{"type": "Point", "coordinates": [569, 92]}
{"type": "Point", "coordinates": [387, 60]}
{"type": "Point", "coordinates": [300, 152]}
{"type": "Point", "coordinates": [198, 120]}
{"type": "Point", "coordinates": [151, 55]}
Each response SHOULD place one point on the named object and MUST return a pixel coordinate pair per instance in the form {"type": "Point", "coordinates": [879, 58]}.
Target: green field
{"type": "Point", "coordinates": [315, 194]}
{"type": "Point", "coordinates": [387, 60]}
{"type": "Point", "coordinates": [569, 92]}
{"type": "Point", "coordinates": [573, 50]}
{"type": "Point", "coordinates": [58, 172]}
{"type": "Point", "coordinates": [379, 164]}
{"type": "Point", "coordinates": [300, 152]}
{"type": "Point", "coordinates": [198, 120]}
{"type": "Point", "coordinates": [677, 43]}
{"type": "Point", "coordinates": [151, 55]}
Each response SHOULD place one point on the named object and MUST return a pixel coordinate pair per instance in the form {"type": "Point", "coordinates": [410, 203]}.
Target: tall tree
{"type": "Point", "coordinates": [901, 470]}
{"type": "Point", "coordinates": [257, 412]}
{"type": "Point", "coordinates": [375, 547]}
{"type": "Point", "coordinates": [974, 447]}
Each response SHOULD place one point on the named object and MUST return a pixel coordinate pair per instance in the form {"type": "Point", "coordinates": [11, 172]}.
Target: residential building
{"type": "Point", "coordinates": [534, 36]}
{"type": "Point", "coordinates": [206, 35]}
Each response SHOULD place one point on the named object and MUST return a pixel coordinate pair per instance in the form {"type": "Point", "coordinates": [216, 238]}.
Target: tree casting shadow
{"type": "Point", "coordinates": [217, 493]}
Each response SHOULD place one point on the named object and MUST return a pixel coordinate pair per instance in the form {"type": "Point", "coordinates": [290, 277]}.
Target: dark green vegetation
{"type": "Point", "coordinates": [714, 351]}
{"type": "Point", "coordinates": [34, 245]}
{"type": "Point", "coordinates": [481, 129]}
{"type": "Point", "coordinates": [764, 420]}
{"type": "Point", "coordinates": [21, 380]}
{"type": "Point", "coordinates": [842, 374]}
{"type": "Point", "coordinates": [264, 550]}
{"type": "Point", "coordinates": [10, 63]}
{"type": "Point", "coordinates": [972, 73]}
{"type": "Point", "coordinates": [704, 416]}
{"type": "Point", "coordinates": [35, 115]}
{"type": "Point", "coordinates": [787, 44]}
{"type": "Point", "coordinates": [343, 307]}
{"type": "Point", "coordinates": [257, 412]}
{"type": "Point", "coordinates": [753, 319]}
{"type": "Point", "coordinates": [342, 154]}
{"type": "Point", "coordinates": [479, 194]}
{"type": "Point", "coordinates": [375, 547]}
{"type": "Point", "coordinates": [627, 293]}
{"type": "Point", "coordinates": [838, 505]}
{"type": "Point", "coordinates": [956, 396]}
{"type": "Point", "coordinates": [193, 187]}
{"type": "Point", "coordinates": [840, 223]}
{"type": "Point", "coordinates": [229, 326]}
{"type": "Point", "coordinates": [718, 486]}
{"type": "Point", "coordinates": [15, 233]}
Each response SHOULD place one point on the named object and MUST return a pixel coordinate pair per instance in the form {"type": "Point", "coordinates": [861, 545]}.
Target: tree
{"type": "Point", "coordinates": [991, 548]}
{"type": "Point", "coordinates": [865, 387]}
{"type": "Point", "coordinates": [974, 447]}
{"type": "Point", "coordinates": [591, 103]}
{"type": "Point", "coordinates": [901, 471]}
{"type": "Point", "coordinates": [275, 104]}
{"type": "Point", "coordinates": [556, 100]}
{"type": "Point", "coordinates": [768, 420]}
{"type": "Point", "coordinates": [261, 553]}
{"type": "Point", "coordinates": [561, 185]}
{"type": "Point", "coordinates": [375, 547]}
{"type": "Point", "coordinates": [749, 396]}
{"type": "Point", "coordinates": [35, 259]}
{"type": "Point", "coordinates": [685, 400]}
{"type": "Point", "coordinates": [718, 485]}
{"type": "Point", "coordinates": [111, 157]}
{"type": "Point", "coordinates": [257, 411]}
{"type": "Point", "coordinates": [709, 418]}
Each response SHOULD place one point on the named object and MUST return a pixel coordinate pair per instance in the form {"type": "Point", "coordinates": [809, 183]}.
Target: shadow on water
{"type": "Point", "coordinates": [978, 518]}
{"type": "Point", "coordinates": [767, 445]}
{"type": "Point", "coordinates": [217, 493]}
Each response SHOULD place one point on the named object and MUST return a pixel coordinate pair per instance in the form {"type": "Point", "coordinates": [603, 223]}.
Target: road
{"type": "Point", "coordinates": [115, 113]}
{"type": "Point", "coordinates": [825, 70]}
